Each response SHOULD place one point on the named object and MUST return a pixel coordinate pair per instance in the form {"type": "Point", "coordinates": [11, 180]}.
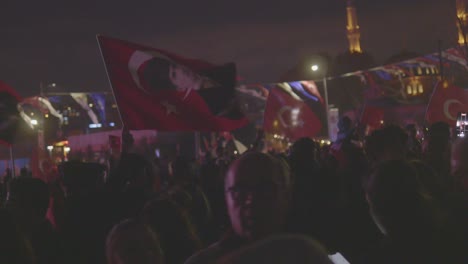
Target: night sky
{"type": "Point", "coordinates": [54, 41]}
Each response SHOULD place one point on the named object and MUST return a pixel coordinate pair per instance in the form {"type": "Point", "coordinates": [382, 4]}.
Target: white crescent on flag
{"type": "Point", "coordinates": [137, 59]}
{"type": "Point", "coordinates": [447, 107]}
{"type": "Point", "coordinates": [294, 112]}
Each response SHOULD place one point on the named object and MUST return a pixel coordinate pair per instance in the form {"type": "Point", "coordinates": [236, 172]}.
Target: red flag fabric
{"type": "Point", "coordinates": [9, 114]}
{"type": "Point", "coordinates": [156, 89]}
{"type": "Point", "coordinates": [286, 114]}
{"type": "Point", "coordinates": [446, 102]}
{"type": "Point", "coordinates": [372, 116]}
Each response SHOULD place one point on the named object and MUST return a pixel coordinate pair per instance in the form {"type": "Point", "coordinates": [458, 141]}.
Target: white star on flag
{"type": "Point", "coordinates": [169, 107]}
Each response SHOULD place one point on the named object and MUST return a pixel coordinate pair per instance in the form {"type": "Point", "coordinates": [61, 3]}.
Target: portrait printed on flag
{"type": "Point", "coordinates": [157, 89]}
{"type": "Point", "coordinates": [215, 84]}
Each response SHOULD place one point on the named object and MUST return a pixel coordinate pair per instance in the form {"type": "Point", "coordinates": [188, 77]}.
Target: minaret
{"type": "Point", "coordinates": [462, 18]}
{"type": "Point", "coordinates": [354, 33]}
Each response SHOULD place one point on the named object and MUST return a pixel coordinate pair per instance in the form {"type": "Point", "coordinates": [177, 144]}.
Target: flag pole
{"type": "Point", "coordinates": [108, 77]}
{"type": "Point", "coordinates": [441, 63]}
{"type": "Point", "coordinates": [13, 172]}
{"type": "Point", "coordinates": [197, 145]}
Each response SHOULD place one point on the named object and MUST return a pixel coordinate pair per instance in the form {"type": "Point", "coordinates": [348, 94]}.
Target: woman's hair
{"type": "Point", "coordinates": [133, 242]}
{"type": "Point", "coordinates": [178, 236]}
{"type": "Point", "coordinates": [397, 196]}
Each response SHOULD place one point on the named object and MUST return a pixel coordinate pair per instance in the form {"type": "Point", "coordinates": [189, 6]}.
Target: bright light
{"type": "Point", "coordinates": [33, 122]}
{"type": "Point", "coordinates": [322, 141]}
{"type": "Point", "coordinates": [314, 67]}
{"type": "Point", "coordinates": [90, 105]}
{"type": "Point", "coordinates": [67, 149]}
{"type": "Point", "coordinates": [46, 115]}
{"type": "Point", "coordinates": [95, 125]}
{"type": "Point", "coordinates": [50, 148]}
{"type": "Point", "coordinates": [235, 152]}
{"type": "Point", "coordinates": [112, 124]}
{"type": "Point", "coordinates": [54, 84]}
{"type": "Point", "coordinates": [381, 121]}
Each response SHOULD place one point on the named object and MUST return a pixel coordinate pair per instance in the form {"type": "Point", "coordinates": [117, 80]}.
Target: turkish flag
{"type": "Point", "coordinates": [446, 102]}
{"type": "Point", "coordinates": [372, 116]}
{"type": "Point", "coordinates": [289, 115]}
{"type": "Point", "coordinates": [9, 114]}
{"type": "Point", "coordinates": [156, 89]}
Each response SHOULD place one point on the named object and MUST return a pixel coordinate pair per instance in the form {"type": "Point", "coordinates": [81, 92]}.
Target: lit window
{"type": "Point", "coordinates": [415, 90]}
{"type": "Point", "coordinates": [419, 71]}
{"type": "Point", "coordinates": [409, 89]}
{"type": "Point", "coordinates": [420, 88]}
{"type": "Point", "coordinates": [428, 71]}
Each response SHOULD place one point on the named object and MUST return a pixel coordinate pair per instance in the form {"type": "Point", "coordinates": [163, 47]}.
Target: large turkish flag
{"type": "Point", "coordinates": [156, 89]}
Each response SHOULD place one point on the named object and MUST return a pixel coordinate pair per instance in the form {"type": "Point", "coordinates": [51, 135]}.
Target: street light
{"type": "Point", "coordinates": [315, 68]}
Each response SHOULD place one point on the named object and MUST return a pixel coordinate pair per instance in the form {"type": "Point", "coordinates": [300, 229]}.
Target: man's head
{"type": "Point", "coordinates": [439, 137]}
{"type": "Point", "coordinates": [132, 242]}
{"type": "Point", "coordinates": [257, 191]}
{"type": "Point", "coordinates": [387, 143]}
{"type": "Point", "coordinates": [162, 74]}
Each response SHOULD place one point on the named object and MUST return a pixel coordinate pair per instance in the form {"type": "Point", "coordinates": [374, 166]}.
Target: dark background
{"type": "Point", "coordinates": [54, 41]}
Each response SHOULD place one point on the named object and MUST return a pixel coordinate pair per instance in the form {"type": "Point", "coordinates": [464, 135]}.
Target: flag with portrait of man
{"type": "Point", "coordinates": [156, 89]}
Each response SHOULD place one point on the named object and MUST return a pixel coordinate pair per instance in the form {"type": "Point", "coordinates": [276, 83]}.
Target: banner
{"type": "Point", "coordinates": [156, 89]}
{"type": "Point", "coordinates": [42, 104]}
{"type": "Point", "coordinates": [82, 100]}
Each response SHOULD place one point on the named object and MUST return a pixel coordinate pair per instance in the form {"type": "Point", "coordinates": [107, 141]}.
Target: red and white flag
{"type": "Point", "coordinates": [288, 114]}
{"type": "Point", "coordinates": [446, 102]}
{"type": "Point", "coordinates": [156, 89]}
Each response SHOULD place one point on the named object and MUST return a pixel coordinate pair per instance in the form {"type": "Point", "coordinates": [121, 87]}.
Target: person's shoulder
{"type": "Point", "coordinates": [207, 255]}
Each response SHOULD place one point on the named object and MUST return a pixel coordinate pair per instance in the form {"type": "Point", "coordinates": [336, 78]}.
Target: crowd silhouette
{"type": "Point", "coordinates": [389, 197]}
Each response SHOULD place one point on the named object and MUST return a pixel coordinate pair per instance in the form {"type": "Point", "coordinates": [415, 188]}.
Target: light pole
{"type": "Point", "coordinates": [315, 68]}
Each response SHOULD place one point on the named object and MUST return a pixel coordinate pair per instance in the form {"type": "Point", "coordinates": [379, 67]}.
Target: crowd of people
{"type": "Point", "coordinates": [388, 198]}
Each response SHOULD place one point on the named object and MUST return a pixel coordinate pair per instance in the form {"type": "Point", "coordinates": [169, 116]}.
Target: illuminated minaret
{"type": "Point", "coordinates": [354, 33]}
{"type": "Point", "coordinates": [462, 20]}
